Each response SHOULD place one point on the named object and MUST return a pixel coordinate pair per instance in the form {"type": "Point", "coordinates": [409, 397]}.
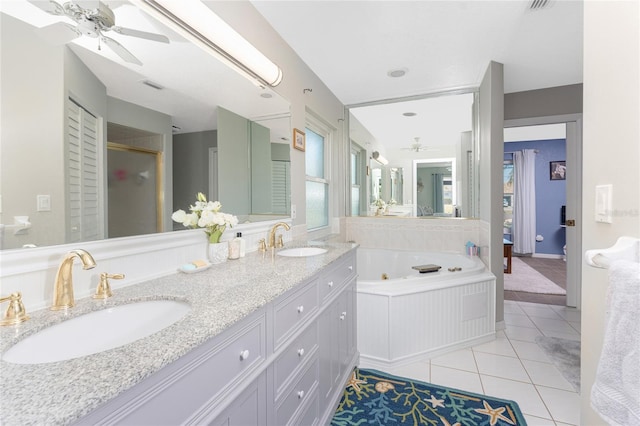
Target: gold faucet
{"type": "Point", "coordinates": [15, 313]}
{"type": "Point", "coordinates": [272, 234]}
{"type": "Point", "coordinates": [63, 287]}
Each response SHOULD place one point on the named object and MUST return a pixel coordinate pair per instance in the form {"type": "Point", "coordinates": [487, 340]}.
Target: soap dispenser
{"type": "Point", "coordinates": [242, 243]}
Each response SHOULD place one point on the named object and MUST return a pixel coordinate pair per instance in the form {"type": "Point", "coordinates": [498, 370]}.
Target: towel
{"type": "Point", "coordinates": [615, 395]}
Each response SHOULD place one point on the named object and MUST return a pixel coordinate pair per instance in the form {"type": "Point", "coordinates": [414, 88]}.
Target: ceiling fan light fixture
{"type": "Point", "coordinates": [196, 22]}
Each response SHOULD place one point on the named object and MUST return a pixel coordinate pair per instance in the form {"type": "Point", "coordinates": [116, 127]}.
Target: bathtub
{"type": "Point", "coordinates": [405, 316]}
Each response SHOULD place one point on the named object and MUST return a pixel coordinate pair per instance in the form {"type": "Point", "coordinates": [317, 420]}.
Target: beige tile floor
{"type": "Point", "coordinates": [513, 366]}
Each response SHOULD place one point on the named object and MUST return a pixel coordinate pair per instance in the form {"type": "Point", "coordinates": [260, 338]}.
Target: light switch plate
{"type": "Point", "coordinates": [43, 203]}
{"type": "Point", "coordinates": [603, 203]}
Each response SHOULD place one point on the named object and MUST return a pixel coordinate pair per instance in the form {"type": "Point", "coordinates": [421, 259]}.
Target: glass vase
{"type": "Point", "coordinates": [217, 252]}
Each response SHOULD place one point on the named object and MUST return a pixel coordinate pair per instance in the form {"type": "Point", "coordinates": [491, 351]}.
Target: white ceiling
{"type": "Point", "coordinates": [351, 45]}
{"type": "Point", "coordinates": [194, 82]}
{"type": "Point", "coordinates": [442, 45]}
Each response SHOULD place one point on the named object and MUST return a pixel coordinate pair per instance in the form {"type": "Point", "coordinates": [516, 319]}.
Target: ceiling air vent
{"type": "Point", "coordinates": [540, 4]}
{"type": "Point", "coordinates": [153, 84]}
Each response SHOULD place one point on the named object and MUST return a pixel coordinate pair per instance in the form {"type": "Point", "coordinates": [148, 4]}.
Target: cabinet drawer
{"type": "Point", "coordinates": [237, 356]}
{"type": "Point", "coordinates": [294, 356]}
{"type": "Point", "coordinates": [194, 387]}
{"type": "Point", "coordinates": [302, 390]}
{"type": "Point", "coordinates": [293, 311]}
{"type": "Point", "coordinates": [334, 278]}
{"type": "Point", "coordinates": [311, 413]}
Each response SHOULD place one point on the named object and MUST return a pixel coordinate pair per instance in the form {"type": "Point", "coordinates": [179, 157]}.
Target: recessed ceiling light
{"type": "Point", "coordinates": [409, 114]}
{"type": "Point", "coordinates": [400, 72]}
{"type": "Point", "coordinates": [266, 95]}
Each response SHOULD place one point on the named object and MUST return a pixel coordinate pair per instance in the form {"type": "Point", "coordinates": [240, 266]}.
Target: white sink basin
{"type": "Point", "coordinates": [96, 332]}
{"type": "Point", "coordinates": [301, 252]}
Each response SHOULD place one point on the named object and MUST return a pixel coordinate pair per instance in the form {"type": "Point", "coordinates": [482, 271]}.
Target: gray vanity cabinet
{"type": "Point", "coordinates": [286, 363]}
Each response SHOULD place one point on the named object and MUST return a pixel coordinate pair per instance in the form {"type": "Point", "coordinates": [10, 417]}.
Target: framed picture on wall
{"type": "Point", "coordinates": [298, 139]}
{"type": "Point", "coordinates": [557, 170]}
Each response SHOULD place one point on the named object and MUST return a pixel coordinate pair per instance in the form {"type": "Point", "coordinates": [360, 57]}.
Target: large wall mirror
{"type": "Point", "coordinates": [93, 146]}
{"type": "Point", "coordinates": [427, 144]}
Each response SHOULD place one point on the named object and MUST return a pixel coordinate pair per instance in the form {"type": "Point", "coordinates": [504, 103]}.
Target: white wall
{"type": "Point", "coordinates": [33, 89]}
{"type": "Point", "coordinates": [611, 155]}
{"type": "Point", "coordinates": [245, 19]}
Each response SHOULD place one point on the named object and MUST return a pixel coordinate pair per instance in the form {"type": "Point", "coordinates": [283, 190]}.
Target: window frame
{"type": "Point", "coordinates": [317, 126]}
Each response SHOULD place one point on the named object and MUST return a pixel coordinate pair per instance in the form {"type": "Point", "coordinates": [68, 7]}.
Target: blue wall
{"type": "Point", "coordinates": [551, 195]}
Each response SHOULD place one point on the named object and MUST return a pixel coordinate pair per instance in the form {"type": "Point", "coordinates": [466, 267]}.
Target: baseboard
{"type": "Point", "coordinates": [367, 361]}
{"type": "Point", "coordinates": [547, 256]}
{"type": "Point", "coordinates": [500, 325]}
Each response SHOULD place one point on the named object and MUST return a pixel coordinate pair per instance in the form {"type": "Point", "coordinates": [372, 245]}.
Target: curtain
{"type": "Point", "coordinates": [524, 204]}
{"type": "Point", "coordinates": [438, 206]}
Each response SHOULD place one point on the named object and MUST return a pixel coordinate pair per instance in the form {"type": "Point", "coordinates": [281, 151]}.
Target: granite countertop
{"type": "Point", "coordinates": [62, 392]}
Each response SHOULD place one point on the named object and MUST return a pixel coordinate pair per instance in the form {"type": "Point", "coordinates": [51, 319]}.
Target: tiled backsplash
{"type": "Point", "coordinates": [424, 234]}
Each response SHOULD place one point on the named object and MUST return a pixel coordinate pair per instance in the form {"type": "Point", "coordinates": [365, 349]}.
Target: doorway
{"type": "Point", "coordinates": [554, 261]}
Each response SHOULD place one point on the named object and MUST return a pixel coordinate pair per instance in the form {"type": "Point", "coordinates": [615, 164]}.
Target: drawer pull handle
{"type": "Point", "coordinates": [300, 309]}
{"type": "Point", "coordinates": [244, 354]}
{"type": "Point", "coordinates": [330, 283]}
{"type": "Point", "coordinates": [300, 394]}
{"type": "Point", "coordinates": [343, 316]}
{"type": "Point", "coordinates": [301, 352]}
{"type": "Point", "coordinates": [351, 267]}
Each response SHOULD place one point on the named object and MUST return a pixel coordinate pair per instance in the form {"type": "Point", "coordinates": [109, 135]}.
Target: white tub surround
{"type": "Point", "coordinates": [414, 316]}
{"type": "Point", "coordinates": [412, 233]}
{"type": "Point", "coordinates": [246, 293]}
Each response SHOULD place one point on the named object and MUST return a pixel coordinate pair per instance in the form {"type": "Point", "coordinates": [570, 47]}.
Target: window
{"type": "Point", "coordinates": [357, 177]}
{"type": "Point", "coordinates": [317, 184]}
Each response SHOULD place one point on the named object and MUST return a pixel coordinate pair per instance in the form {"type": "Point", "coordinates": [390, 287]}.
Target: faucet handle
{"type": "Point", "coordinates": [103, 291]}
{"type": "Point", "coordinates": [15, 313]}
{"type": "Point", "coordinates": [280, 242]}
{"type": "Point", "coordinates": [262, 245]}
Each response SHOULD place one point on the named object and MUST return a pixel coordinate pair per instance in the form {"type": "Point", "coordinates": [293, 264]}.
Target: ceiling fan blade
{"type": "Point", "coordinates": [58, 33]}
{"type": "Point", "coordinates": [140, 34]}
{"type": "Point", "coordinates": [120, 50]}
{"type": "Point", "coordinates": [50, 6]}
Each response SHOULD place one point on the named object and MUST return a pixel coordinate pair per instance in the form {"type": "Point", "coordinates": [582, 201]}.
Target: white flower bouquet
{"type": "Point", "coordinates": [206, 214]}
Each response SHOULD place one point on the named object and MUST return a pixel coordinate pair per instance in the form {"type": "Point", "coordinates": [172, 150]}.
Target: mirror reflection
{"type": "Point", "coordinates": [429, 145]}
{"type": "Point", "coordinates": [435, 191]}
{"type": "Point", "coordinates": [94, 145]}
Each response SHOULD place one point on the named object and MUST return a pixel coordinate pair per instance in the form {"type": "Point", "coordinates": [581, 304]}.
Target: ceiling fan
{"type": "Point", "coordinates": [93, 18]}
{"type": "Point", "coordinates": [416, 146]}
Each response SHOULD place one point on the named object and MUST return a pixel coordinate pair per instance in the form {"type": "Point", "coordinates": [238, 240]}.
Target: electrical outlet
{"type": "Point", "coordinates": [293, 211]}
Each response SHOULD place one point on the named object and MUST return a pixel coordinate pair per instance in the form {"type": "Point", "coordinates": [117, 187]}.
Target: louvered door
{"type": "Point", "coordinates": [82, 175]}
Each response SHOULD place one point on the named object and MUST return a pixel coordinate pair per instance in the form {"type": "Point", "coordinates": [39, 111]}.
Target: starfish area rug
{"type": "Point", "coordinates": [372, 397]}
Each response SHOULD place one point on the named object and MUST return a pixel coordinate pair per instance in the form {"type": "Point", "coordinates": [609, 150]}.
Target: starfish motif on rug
{"type": "Point", "coordinates": [493, 413]}
{"type": "Point", "coordinates": [354, 382]}
{"type": "Point", "coordinates": [435, 402]}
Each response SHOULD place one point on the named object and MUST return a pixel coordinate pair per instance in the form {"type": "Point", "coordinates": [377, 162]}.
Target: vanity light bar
{"type": "Point", "coordinates": [196, 22]}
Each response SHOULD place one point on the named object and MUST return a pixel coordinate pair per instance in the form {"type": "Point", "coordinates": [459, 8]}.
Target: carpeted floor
{"type": "Point", "coordinates": [565, 355]}
{"type": "Point", "coordinates": [372, 397]}
{"type": "Point", "coordinates": [524, 278]}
